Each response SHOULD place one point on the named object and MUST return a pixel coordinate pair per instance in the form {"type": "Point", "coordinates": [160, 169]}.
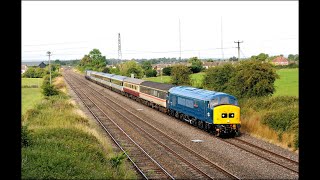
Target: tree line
{"type": "Point", "coordinates": [253, 77]}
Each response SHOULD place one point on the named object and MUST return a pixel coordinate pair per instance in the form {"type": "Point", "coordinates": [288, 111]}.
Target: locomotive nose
{"type": "Point", "coordinates": [226, 114]}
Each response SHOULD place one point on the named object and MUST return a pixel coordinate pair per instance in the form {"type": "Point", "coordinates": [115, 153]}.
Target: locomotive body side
{"type": "Point", "coordinates": [213, 111]}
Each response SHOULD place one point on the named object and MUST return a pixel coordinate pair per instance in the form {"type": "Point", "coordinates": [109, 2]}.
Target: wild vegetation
{"type": "Point", "coordinates": [59, 142]}
{"type": "Point", "coordinates": [275, 119]}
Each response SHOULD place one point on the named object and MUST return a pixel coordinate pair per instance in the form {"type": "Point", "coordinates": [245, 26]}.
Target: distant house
{"type": "Point", "coordinates": [25, 65]}
{"type": "Point", "coordinates": [209, 64]}
{"type": "Point", "coordinates": [23, 68]}
{"type": "Point", "coordinates": [42, 65]}
{"type": "Point", "coordinates": [159, 67]}
{"type": "Point", "coordinates": [280, 60]}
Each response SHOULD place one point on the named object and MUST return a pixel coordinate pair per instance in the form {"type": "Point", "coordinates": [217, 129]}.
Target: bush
{"type": "Point", "coordinates": [49, 90]}
{"type": "Point", "coordinates": [167, 71]}
{"type": "Point", "coordinates": [282, 119]}
{"type": "Point", "coordinates": [117, 160]}
{"type": "Point", "coordinates": [196, 69]}
{"type": "Point", "coordinates": [35, 72]}
{"type": "Point", "coordinates": [270, 103]}
{"type": "Point", "coordinates": [151, 73]}
{"type": "Point", "coordinates": [106, 70]}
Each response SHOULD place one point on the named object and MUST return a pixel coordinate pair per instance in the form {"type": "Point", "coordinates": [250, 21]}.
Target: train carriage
{"type": "Point", "coordinates": [117, 83]}
{"type": "Point", "coordinates": [213, 111]}
{"type": "Point", "coordinates": [103, 79]}
{"type": "Point", "coordinates": [155, 94]}
{"type": "Point", "coordinates": [131, 86]}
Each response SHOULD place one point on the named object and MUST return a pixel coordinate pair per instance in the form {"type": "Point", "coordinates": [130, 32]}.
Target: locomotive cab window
{"type": "Point", "coordinates": [224, 100]}
{"type": "Point", "coordinates": [213, 102]}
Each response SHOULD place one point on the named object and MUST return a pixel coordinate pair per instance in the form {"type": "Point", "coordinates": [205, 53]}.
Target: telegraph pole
{"type": "Point", "coordinates": [238, 49]}
{"type": "Point", "coordinates": [49, 53]}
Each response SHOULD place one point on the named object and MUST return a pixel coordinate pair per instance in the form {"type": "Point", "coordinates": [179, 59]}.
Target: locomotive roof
{"type": "Point", "coordinates": [196, 93]}
{"type": "Point", "coordinates": [133, 80]}
{"type": "Point", "coordinates": [156, 85]}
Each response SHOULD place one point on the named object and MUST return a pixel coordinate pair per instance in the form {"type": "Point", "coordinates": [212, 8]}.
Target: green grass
{"type": "Point", "coordinates": [31, 81]}
{"type": "Point", "coordinates": [58, 142]}
{"type": "Point", "coordinates": [164, 79]}
{"type": "Point", "coordinates": [30, 96]}
{"type": "Point", "coordinates": [288, 83]}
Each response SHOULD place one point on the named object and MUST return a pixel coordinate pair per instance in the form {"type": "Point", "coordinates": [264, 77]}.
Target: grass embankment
{"type": "Point", "coordinates": [30, 92]}
{"type": "Point", "coordinates": [275, 119]}
{"type": "Point", "coordinates": [59, 142]}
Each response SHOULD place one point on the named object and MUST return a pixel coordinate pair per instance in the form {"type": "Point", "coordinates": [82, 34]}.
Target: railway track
{"type": "Point", "coordinates": [198, 166]}
{"type": "Point", "coordinates": [264, 154]}
{"type": "Point", "coordinates": [142, 161]}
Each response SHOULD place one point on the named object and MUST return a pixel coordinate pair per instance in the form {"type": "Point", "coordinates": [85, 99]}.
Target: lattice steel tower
{"type": "Point", "coordinates": [119, 48]}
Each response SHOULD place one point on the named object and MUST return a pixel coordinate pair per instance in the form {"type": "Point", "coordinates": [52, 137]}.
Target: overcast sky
{"type": "Point", "coordinates": [151, 29]}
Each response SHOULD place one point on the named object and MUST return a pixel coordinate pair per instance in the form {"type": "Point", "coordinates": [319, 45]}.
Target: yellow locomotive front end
{"type": "Point", "coordinates": [226, 119]}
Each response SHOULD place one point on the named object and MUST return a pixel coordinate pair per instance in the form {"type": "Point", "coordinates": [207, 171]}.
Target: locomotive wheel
{"type": "Point", "coordinates": [177, 114]}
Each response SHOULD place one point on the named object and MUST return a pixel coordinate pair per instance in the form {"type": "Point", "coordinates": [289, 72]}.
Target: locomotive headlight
{"type": "Point", "coordinates": [224, 115]}
{"type": "Point", "coordinates": [231, 115]}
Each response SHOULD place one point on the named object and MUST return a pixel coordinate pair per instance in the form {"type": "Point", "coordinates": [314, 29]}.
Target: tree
{"type": "Point", "coordinates": [196, 65]}
{"type": "Point", "coordinates": [195, 69]}
{"type": "Point", "coordinates": [131, 67]}
{"type": "Point", "coordinates": [151, 73]}
{"type": "Point", "coordinates": [195, 61]}
{"type": "Point", "coordinates": [93, 61]}
{"type": "Point", "coordinates": [252, 79]}
{"type": "Point", "coordinates": [217, 78]}
{"type": "Point", "coordinates": [106, 70]}
{"type": "Point", "coordinates": [98, 61]}
{"type": "Point", "coordinates": [233, 58]}
{"type": "Point", "coordinates": [260, 57]}
{"type": "Point", "coordinates": [115, 70]}
{"type": "Point", "coordinates": [180, 75]}
{"type": "Point", "coordinates": [167, 71]}
{"type": "Point", "coordinates": [146, 65]}
{"type": "Point", "coordinates": [292, 57]}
